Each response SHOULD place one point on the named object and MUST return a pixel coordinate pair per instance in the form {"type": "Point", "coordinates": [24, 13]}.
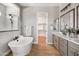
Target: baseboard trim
{"type": "Point", "coordinates": [35, 43]}
{"type": "Point", "coordinates": [47, 43]}
{"type": "Point", "coordinates": [50, 43]}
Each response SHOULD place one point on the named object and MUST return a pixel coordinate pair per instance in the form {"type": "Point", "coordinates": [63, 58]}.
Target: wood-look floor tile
{"type": "Point", "coordinates": [37, 51]}
{"type": "Point", "coordinates": [48, 51]}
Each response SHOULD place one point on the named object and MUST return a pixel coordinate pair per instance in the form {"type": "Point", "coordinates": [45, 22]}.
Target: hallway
{"type": "Point", "coordinates": [42, 41]}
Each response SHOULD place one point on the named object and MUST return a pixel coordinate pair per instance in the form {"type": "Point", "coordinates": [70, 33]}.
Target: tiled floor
{"type": "Point", "coordinates": [46, 51]}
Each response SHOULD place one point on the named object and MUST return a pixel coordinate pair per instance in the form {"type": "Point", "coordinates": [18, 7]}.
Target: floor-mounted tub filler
{"type": "Point", "coordinates": [22, 46]}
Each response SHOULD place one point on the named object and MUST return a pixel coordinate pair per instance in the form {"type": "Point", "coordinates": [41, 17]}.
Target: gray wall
{"type": "Point", "coordinates": [53, 14]}
{"type": "Point", "coordinates": [29, 17]}
{"type": "Point", "coordinates": [5, 37]}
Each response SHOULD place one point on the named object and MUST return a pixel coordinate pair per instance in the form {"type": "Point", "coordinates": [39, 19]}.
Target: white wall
{"type": "Point", "coordinates": [29, 17]}
{"type": "Point", "coordinates": [5, 37]}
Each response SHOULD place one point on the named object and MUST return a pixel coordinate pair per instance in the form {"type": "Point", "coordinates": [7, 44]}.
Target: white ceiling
{"type": "Point", "coordinates": [39, 4]}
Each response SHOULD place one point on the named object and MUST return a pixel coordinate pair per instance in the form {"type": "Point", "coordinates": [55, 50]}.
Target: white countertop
{"type": "Point", "coordinates": [59, 34]}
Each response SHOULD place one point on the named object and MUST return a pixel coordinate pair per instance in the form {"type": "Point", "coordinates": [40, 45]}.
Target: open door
{"type": "Point", "coordinates": [42, 28]}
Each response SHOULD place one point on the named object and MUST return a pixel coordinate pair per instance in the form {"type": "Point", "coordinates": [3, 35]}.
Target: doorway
{"type": "Point", "coordinates": [42, 28]}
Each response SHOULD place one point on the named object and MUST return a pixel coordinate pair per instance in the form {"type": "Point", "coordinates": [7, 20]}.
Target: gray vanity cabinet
{"type": "Point", "coordinates": [60, 44]}
{"type": "Point", "coordinates": [66, 48]}
{"type": "Point", "coordinates": [56, 41]}
{"type": "Point", "coordinates": [73, 49]}
{"type": "Point", "coordinates": [63, 47]}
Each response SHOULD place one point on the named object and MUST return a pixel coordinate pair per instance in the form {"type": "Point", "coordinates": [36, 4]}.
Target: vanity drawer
{"type": "Point", "coordinates": [63, 50]}
{"type": "Point", "coordinates": [56, 41]}
{"type": "Point", "coordinates": [63, 42]}
{"type": "Point", "coordinates": [72, 51]}
{"type": "Point", "coordinates": [73, 45]}
{"type": "Point", "coordinates": [56, 45]}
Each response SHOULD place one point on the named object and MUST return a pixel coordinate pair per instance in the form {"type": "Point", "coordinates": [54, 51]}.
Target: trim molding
{"type": "Point", "coordinates": [46, 43]}
{"type": "Point", "coordinates": [8, 30]}
{"type": "Point", "coordinates": [49, 43]}
{"type": "Point", "coordinates": [35, 43]}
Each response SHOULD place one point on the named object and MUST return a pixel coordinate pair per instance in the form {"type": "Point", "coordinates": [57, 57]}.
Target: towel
{"type": "Point", "coordinates": [28, 30]}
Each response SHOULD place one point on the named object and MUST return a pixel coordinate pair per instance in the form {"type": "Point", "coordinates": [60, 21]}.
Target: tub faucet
{"type": "Point", "coordinates": [16, 38]}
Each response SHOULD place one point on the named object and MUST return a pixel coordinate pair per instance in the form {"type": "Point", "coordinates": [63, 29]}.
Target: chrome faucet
{"type": "Point", "coordinates": [16, 38]}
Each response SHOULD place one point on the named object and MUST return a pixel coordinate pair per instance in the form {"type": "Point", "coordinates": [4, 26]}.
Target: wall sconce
{"type": "Point", "coordinates": [0, 13]}
{"type": "Point", "coordinates": [11, 18]}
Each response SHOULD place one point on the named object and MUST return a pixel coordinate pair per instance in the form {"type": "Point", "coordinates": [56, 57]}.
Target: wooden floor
{"type": "Point", "coordinates": [46, 51]}
{"type": "Point", "coordinates": [42, 41]}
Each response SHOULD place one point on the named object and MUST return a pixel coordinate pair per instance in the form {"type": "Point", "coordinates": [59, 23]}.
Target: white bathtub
{"type": "Point", "coordinates": [21, 47]}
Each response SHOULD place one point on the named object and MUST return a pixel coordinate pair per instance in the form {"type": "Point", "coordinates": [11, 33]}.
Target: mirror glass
{"type": "Point", "coordinates": [67, 23]}
{"type": "Point", "coordinates": [78, 17]}
{"type": "Point", "coordinates": [67, 20]}
{"type": "Point", "coordinates": [77, 22]}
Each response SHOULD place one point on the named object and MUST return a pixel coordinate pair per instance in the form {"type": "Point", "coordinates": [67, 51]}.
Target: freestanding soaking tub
{"type": "Point", "coordinates": [21, 46]}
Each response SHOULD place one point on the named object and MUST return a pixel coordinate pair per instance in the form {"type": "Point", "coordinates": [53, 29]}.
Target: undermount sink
{"type": "Point", "coordinates": [75, 39]}
{"type": "Point", "coordinates": [60, 33]}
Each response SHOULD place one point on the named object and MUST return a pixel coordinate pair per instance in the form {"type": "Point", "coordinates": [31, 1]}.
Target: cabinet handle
{"type": "Point", "coordinates": [76, 54]}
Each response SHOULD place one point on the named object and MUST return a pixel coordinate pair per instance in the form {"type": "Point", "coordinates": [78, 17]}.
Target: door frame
{"type": "Point", "coordinates": [37, 26]}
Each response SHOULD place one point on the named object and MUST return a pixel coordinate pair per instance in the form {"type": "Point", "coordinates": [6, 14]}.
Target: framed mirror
{"type": "Point", "coordinates": [67, 20]}
{"type": "Point", "coordinates": [77, 12]}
